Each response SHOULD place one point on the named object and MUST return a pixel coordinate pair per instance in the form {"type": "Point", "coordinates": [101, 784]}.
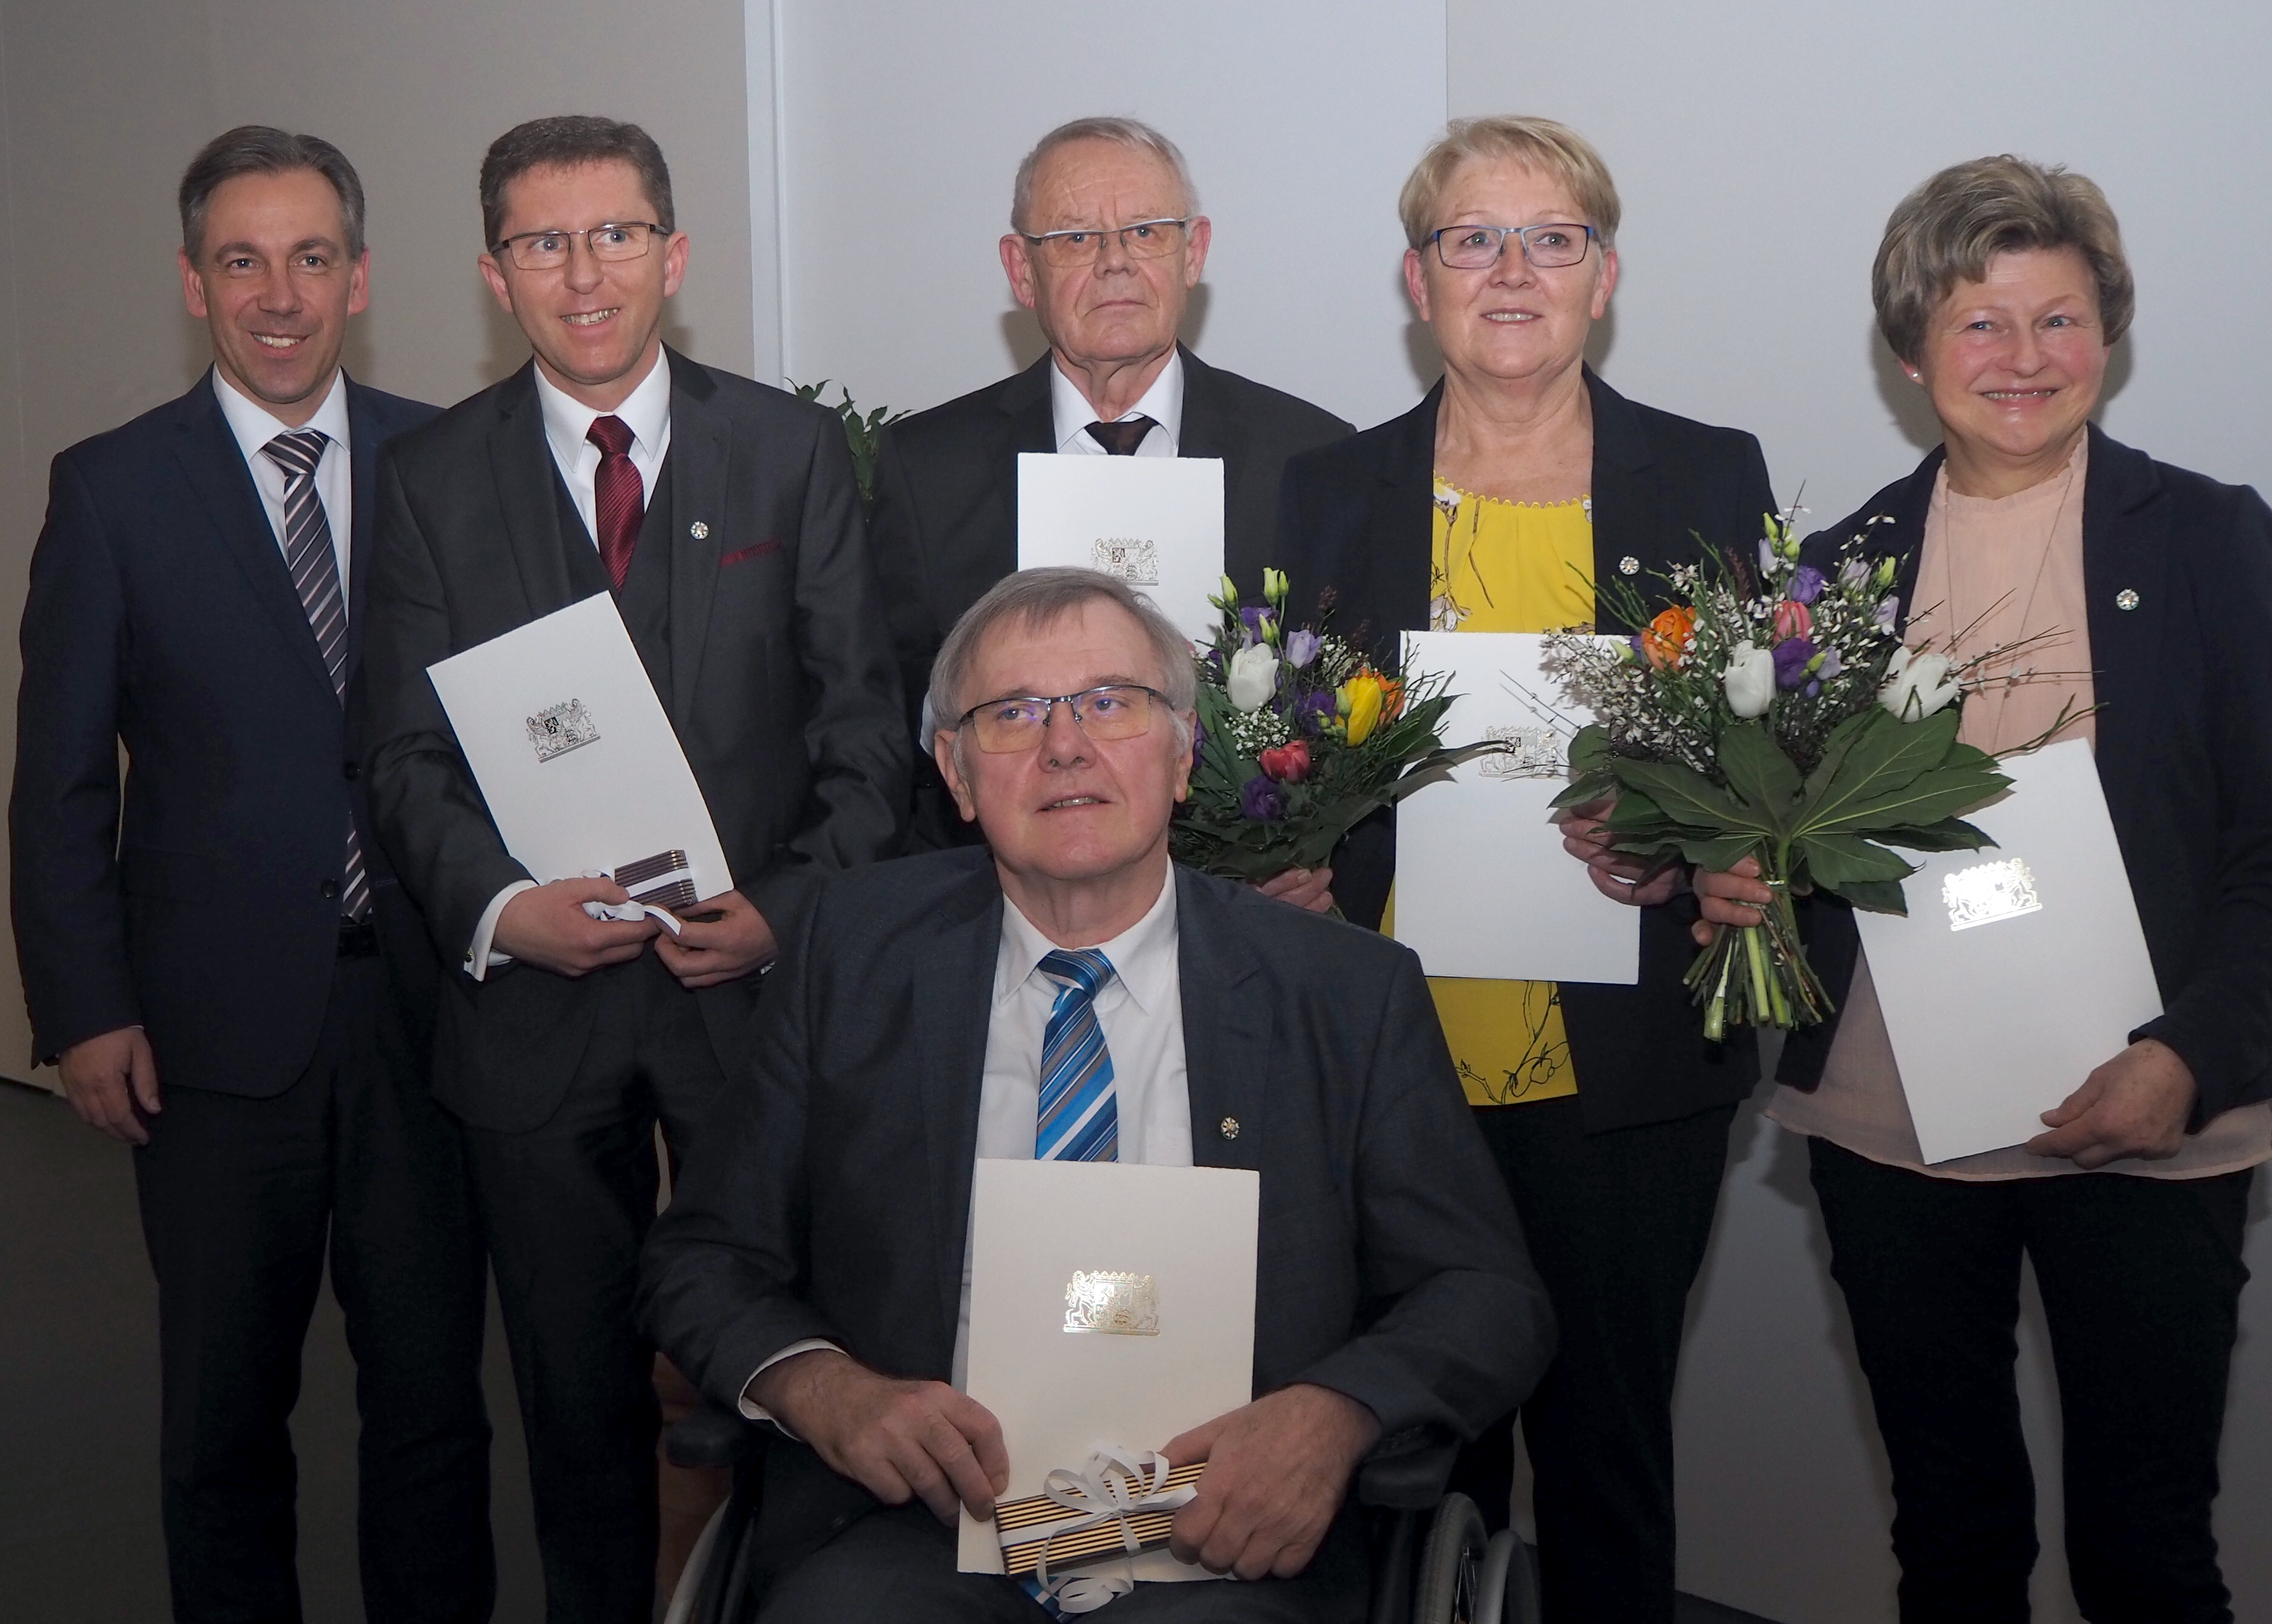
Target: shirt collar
{"type": "Point", "coordinates": [254, 425]}
{"type": "Point", "coordinates": [1162, 403]}
{"type": "Point", "coordinates": [645, 411]}
{"type": "Point", "coordinates": [1144, 956]}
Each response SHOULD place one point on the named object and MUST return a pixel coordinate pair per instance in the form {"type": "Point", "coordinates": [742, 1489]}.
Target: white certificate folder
{"type": "Point", "coordinates": [2021, 967]}
{"type": "Point", "coordinates": [1483, 887]}
{"type": "Point", "coordinates": [577, 759]}
{"type": "Point", "coordinates": [1156, 522]}
{"type": "Point", "coordinates": [1168, 1253]}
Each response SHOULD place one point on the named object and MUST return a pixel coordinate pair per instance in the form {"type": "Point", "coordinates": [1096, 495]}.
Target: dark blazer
{"type": "Point", "coordinates": [945, 524]}
{"type": "Point", "coordinates": [782, 690]}
{"type": "Point", "coordinates": [830, 1199]}
{"type": "Point", "coordinates": [1357, 518]}
{"type": "Point", "coordinates": [2184, 750]}
{"type": "Point", "coordinates": [204, 907]}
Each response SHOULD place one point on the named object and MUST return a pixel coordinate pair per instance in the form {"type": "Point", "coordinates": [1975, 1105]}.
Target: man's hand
{"type": "Point", "coordinates": [706, 953]}
{"type": "Point", "coordinates": [899, 1441]}
{"type": "Point", "coordinates": [2135, 1105]}
{"type": "Point", "coordinates": [1305, 888]}
{"type": "Point", "coordinates": [1619, 875]}
{"type": "Point", "coordinates": [547, 927]}
{"type": "Point", "coordinates": [1277, 1471]}
{"type": "Point", "coordinates": [1738, 897]}
{"type": "Point", "coordinates": [105, 1077]}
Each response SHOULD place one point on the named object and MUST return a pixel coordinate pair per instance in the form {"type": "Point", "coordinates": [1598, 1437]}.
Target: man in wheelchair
{"type": "Point", "coordinates": [1066, 991]}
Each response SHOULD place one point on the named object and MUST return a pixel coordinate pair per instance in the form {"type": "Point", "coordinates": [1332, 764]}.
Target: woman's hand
{"type": "Point", "coordinates": [2136, 1103]}
{"type": "Point", "coordinates": [1618, 875]}
{"type": "Point", "coordinates": [1305, 888]}
{"type": "Point", "coordinates": [1736, 897]}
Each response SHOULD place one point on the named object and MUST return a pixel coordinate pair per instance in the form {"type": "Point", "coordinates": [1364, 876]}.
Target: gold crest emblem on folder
{"type": "Point", "coordinates": [1114, 1303]}
{"type": "Point", "coordinates": [1986, 892]}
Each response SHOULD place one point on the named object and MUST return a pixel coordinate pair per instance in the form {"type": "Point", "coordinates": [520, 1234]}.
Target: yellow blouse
{"type": "Point", "coordinates": [1507, 566]}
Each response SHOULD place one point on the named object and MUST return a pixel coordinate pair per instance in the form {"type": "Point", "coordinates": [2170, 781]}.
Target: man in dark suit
{"type": "Point", "coordinates": [723, 517]}
{"type": "Point", "coordinates": [1106, 243]}
{"type": "Point", "coordinates": [234, 983]}
{"type": "Point", "coordinates": [811, 1268]}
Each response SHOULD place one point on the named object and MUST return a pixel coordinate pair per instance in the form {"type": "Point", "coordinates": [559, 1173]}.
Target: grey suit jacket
{"type": "Point", "coordinates": [782, 688]}
{"type": "Point", "coordinates": [831, 1198]}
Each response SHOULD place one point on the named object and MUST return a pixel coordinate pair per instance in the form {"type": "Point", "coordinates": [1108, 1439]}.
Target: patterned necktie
{"type": "Point", "coordinates": [1122, 438]}
{"type": "Point", "coordinates": [1077, 1120]}
{"type": "Point", "coordinates": [314, 569]}
{"type": "Point", "coordinates": [618, 499]}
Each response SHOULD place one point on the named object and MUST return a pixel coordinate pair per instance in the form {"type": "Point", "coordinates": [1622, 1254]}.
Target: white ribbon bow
{"type": "Point", "coordinates": [1115, 1484]}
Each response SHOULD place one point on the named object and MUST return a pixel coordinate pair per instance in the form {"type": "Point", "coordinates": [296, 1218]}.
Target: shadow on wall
{"type": "Point", "coordinates": [1021, 334]}
{"type": "Point", "coordinates": [1912, 414]}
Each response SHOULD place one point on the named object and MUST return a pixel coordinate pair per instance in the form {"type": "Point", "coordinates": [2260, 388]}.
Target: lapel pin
{"type": "Point", "coordinates": [2125, 599]}
{"type": "Point", "coordinates": [1628, 565]}
{"type": "Point", "coordinates": [1230, 1128]}
{"type": "Point", "coordinates": [699, 531]}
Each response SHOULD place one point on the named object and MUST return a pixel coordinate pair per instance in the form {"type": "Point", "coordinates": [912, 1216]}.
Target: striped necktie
{"type": "Point", "coordinates": [314, 569]}
{"type": "Point", "coordinates": [1078, 1118]}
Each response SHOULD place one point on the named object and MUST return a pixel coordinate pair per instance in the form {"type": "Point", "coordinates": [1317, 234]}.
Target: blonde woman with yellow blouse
{"type": "Point", "coordinates": [1494, 505]}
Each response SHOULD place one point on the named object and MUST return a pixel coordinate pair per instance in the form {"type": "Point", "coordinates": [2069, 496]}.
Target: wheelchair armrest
{"type": "Point", "coordinates": [711, 1436]}
{"type": "Point", "coordinates": [1408, 1472]}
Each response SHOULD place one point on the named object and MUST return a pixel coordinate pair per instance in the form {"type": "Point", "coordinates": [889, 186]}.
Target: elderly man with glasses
{"type": "Point", "coordinates": [813, 1270]}
{"type": "Point", "coordinates": [1106, 243]}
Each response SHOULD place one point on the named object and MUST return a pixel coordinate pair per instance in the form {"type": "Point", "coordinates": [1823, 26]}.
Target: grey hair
{"type": "Point", "coordinates": [1036, 600]}
{"type": "Point", "coordinates": [262, 149]}
{"type": "Point", "coordinates": [1129, 132]}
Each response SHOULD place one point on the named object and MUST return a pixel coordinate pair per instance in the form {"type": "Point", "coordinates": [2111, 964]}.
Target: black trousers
{"type": "Point", "coordinates": [1617, 1223]}
{"type": "Point", "coordinates": [241, 1200]}
{"type": "Point", "coordinates": [566, 1208]}
{"type": "Point", "coordinates": [2140, 1281]}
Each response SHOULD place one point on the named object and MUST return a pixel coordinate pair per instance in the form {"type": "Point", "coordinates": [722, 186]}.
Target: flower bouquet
{"type": "Point", "coordinates": [1773, 712]}
{"type": "Point", "coordinates": [1299, 737]}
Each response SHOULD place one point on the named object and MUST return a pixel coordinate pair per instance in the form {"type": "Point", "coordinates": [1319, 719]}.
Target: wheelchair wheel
{"type": "Point", "coordinates": [1450, 1565]}
{"type": "Point", "coordinates": [1507, 1588]}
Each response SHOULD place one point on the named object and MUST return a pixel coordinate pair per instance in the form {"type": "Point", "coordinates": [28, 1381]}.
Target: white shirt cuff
{"type": "Point", "coordinates": [480, 959]}
{"type": "Point", "coordinates": [750, 1409]}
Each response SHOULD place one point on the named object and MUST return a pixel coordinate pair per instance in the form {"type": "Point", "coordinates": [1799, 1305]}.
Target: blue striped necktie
{"type": "Point", "coordinates": [314, 569]}
{"type": "Point", "coordinates": [1078, 1118]}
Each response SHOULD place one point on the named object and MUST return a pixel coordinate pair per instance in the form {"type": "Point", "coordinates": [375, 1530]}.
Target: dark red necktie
{"type": "Point", "coordinates": [1122, 438]}
{"type": "Point", "coordinates": [619, 501]}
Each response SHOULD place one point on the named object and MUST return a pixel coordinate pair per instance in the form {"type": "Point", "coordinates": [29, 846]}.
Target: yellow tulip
{"type": "Point", "coordinates": [1360, 701]}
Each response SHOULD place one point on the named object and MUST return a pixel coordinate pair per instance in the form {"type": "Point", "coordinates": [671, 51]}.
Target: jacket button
{"type": "Point", "coordinates": [350, 770]}
{"type": "Point", "coordinates": [330, 889]}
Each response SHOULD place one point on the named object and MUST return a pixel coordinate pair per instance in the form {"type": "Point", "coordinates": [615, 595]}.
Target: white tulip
{"type": "Point", "coordinates": [1252, 676]}
{"type": "Point", "coordinates": [1750, 681]}
{"type": "Point", "coordinates": [1917, 686]}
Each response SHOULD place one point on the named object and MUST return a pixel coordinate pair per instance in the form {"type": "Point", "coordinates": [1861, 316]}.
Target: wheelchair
{"type": "Point", "coordinates": [1431, 1561]}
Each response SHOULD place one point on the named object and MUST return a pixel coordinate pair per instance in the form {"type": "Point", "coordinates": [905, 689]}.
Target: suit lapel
{"type": "Point", "coordinates": [1227, 1028]}
{"type": "Point", "coordinates": [2126, 542]}
{"type": "Point", "coordinates": [1029, 425]}
{"type": "Point", "coordinates": [1210, 428]}
{"type": "Point", "coordinates": [701, 453]}
{"type": "Point", "coordinates": [1386, 579]}
{"type": "Point", "coordinates": [1628, 498]}
{"type": "Point", "coordinates": [954, 1008]}
{"type": "Point", "coordinates": [521, 464]}
{"type": "Point", "coordinates": [214, 465]}
{"type": "Point", "coordinates": [363, 434]}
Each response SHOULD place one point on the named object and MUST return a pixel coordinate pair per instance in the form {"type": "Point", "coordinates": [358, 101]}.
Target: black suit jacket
{"type": "Point", "coordinates": [830, 1199]}
{"type": "Point", "coordinates": [1357, 518]}
{"type": "Point", "coordinates": [2184, 750]}
{"type": "Point", "coordinates": [783, 689]}
{"type": "Point", "coordinates": [945, 524]}
{"type": "Point", "coordinates": [205, 905]}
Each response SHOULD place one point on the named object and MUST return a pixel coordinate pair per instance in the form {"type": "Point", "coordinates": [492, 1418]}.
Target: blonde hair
{"type": "Point", "coordinates": [1540, 144]}
{"type": "Point", "coordinates": [1948, 230]}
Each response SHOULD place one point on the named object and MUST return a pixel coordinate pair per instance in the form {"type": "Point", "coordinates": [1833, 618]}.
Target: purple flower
{"type": "Point", "coordinates": [1854, 572]}
{"type": "Point", "coordinates": [1889, 610]}
{"type": "Point", "coordinates": [1791, 656]}
{"type": "Point", "coordinates": [1258, 624]}
{"type": "Point", "coordinates": [1262, 800]}
{"type": "Point", "coordinates": [1302, 648]}
{"type": "Point", "coordinates": [1198, 742]}
{"type": "Point", "coordinates": [1831, 664]}
{"type": "Point", "coordinates": [1315, 710]}
{"type": "Point", "coordinates": [1806, 585]}
{"type": "Point", "coordinates": [1767, 557]}
{"type": "Point", "coordinates": [1813, 688]}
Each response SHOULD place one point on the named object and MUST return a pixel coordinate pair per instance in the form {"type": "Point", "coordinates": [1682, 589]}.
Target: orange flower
{"type": "Point", "coordinates": [1665, 642]}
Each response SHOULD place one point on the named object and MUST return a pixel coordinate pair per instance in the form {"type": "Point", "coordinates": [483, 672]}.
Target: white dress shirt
{"type": "Point", "coordinates": [254, 425]}
{"type": "Point", "coordinates": [1141, 1012]}
{"type": "Point", "coordinates": [568, 422]}
{"type": "Point", "coordinates": [1162, 403]}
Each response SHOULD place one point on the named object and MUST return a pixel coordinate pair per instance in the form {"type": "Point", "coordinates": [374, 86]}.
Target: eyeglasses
{"type": "Point", "coordinates": [1473, 247]}
{"type": "Point", "coordinates": [547, 250]}
{"type": "Point", "coordinates": [1017, 722]}
{"type": "Point", "coordinates": [1146, 239]}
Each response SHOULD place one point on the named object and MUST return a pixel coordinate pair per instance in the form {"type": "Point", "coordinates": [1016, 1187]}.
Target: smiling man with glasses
{"type": "Point", "coordinates": [1106, 243]}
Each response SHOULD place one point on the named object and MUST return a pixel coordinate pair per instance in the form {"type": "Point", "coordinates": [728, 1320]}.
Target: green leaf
{"type": "Point", "coordinates": [1882, 755]}
{"type": "Point", "coordinates": [1719, 852]}
{"type": "Point", "coordinates": [1874, 896]}
{"type": "Point", "coordinates": [1757, 771]}
{"type": "Point", "coordinates": [1837, 860]}
{"type": "Point", "coordinates": [1950, 834]}
{"type": "Point", "coordinates": [1924, 799]}
{"type": "Point", "coordinates": [1689, 797]}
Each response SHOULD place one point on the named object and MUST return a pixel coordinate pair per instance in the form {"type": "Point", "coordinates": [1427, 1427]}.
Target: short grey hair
{"type": "Point", "coordinates": [1130, 132]}
{"type": "Point", "coordinates": [262, 149]}
{"type": "Point", "coordinates": [1035, 600]}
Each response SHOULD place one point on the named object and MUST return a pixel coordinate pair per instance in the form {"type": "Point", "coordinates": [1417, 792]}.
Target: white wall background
{"type": "Point", "coordinates": [1800, 124]}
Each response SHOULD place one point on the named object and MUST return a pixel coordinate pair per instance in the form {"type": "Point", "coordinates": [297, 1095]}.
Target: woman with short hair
{"type": "Point", "coordinates": [1495, 505]}
{"type": "Point", "coordinates": [2002, 288]}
